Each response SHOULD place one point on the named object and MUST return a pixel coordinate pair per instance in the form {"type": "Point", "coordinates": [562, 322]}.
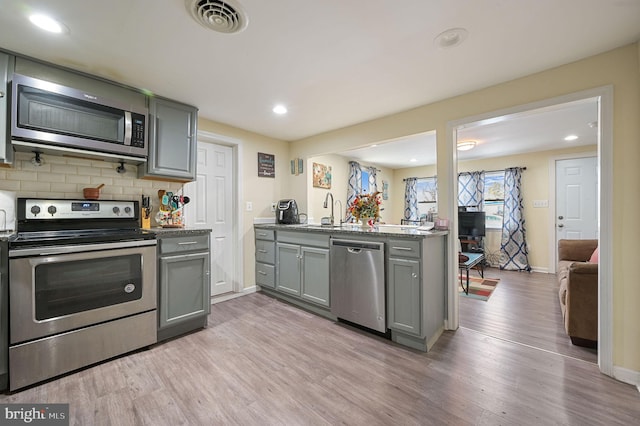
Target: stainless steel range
{"type": "Point", "coordinates": [82, 286]}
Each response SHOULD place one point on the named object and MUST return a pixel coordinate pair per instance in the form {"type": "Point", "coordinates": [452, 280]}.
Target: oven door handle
{"type": "Point", "coordinates": [78, 248]}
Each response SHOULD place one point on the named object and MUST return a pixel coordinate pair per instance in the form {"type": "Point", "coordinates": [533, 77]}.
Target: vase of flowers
{"type": "Point", "coordinates": [366, 208]}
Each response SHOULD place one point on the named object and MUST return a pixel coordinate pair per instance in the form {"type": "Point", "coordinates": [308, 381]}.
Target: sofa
{"type": "Point", "coordinates": [578, 278]}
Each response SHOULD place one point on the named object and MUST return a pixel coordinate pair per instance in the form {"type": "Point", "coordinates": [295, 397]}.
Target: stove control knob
{"type": "Point", "coordinates": [127, 210]}
{"type": "Point", "coordinates": [116, 210]}
{"type": "Point", "coordinates": [52, 210]}
{"type": "Point", "coordinates": [35, 210]}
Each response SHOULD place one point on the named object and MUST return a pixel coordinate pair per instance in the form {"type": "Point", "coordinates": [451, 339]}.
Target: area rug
{"type": "Point", "coordinates": [479, 288]}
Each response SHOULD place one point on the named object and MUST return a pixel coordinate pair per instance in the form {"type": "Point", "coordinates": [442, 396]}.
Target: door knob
{"type": "Point", "coordinates": [560, 225]}
{"type": "Point", "coordinates": [560, 217]}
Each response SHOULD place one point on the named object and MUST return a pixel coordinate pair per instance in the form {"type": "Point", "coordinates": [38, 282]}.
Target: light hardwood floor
{"type": "Point", "coordinates": [523, 308]}
{"type": "Point", "coordinates": [263, 362]}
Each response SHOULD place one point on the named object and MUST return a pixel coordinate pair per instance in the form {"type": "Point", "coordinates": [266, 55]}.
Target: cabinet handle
{"type": "Point", "coordinates": [261, 251]}
{"type": "Point", "coordinates": [402, 248]}
{"type": "Point", "coordinates": [414, 275]}
{"type": "Point", "coordinates": [262, 234]}
{"type": "Point", "coordinates": [186, 243]}
{"type": "Point", "coordinates": [1, 94]}
{"type": "Point", "coordinates": [262, 273]}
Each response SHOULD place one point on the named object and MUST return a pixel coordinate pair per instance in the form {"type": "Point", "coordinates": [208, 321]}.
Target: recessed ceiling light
{"type": "Point", "coordinates": [48, 24]}
{"type": "Point", "coordinates": [465, 145]}
{"type": "Point", "coordinates": [374, 145]}
{"type": "Point", "coordinates": [280, 109]}
{"type": "Point", "coordinates": [450, 38]}
{"type": "Point", "coordinates": [571, 138]}
{"type": "Point", "coordinates": [413, 160]}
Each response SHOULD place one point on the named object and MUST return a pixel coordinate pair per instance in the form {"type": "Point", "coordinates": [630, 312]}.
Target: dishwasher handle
{"type": "Point", "coordinates": [357, 246]}
{"type": "Point", "coordinates": [354, 250]}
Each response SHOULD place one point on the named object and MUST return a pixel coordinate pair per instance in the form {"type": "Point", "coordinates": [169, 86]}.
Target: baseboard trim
{"type": "Point", "coordinates": [627, 376]}
{"type": "Point", "coordinates": [229, 296]}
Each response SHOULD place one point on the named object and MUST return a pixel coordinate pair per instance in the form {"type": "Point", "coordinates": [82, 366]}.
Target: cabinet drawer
{"type": "Point", "coordinates": [183, 244]}
{"type": "Point", "coordinates": [404, 248]}
{"type": "Point", "coordinates": [265, 251]}
{"type": "Point", "coordinates": [265, 234]}
{"type": "Point", "coordinates": [304, 238]}
{"type": "Point", "coordinates": [265, 275]}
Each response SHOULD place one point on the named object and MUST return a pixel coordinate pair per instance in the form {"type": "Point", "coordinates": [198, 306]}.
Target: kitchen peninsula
{"type": "Point", "coordinates": [294, 263]}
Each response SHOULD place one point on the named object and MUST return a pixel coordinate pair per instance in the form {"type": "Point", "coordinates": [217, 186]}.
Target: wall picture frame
{"type": "Point", "coordinates": [321, 176]}
{"type": "Point", "coordinates": [266, 165]}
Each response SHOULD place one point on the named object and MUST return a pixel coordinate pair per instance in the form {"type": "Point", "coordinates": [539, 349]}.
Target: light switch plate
{"type": "Point", "coordinates": [540, 203]}
{"type": "Point", "coordinates": [249, 206]}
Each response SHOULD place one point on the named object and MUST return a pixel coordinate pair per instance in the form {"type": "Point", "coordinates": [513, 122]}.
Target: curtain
{"type": "Point", "coordinates": [411, 199]}
{"type": "Point", "coordinates": [373, 179]}
{"type": "Point", "coordinates": [471, 190]}
{"type": "Point", "coordinates": [354, 185]}
{"type": "Point", "coordinates": [514, 254]}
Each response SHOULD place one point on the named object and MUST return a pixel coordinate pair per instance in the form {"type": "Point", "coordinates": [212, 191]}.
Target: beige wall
{"type": "Point", "coordinates": [619, 68]}
{"type": "Point", "coordinates": [340, 175]}
{"type": "Point", "coordinates": [260, 191]}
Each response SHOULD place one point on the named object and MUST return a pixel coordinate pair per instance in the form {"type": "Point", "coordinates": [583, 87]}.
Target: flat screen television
{"type": "Point", "coordinates": [471, 224]}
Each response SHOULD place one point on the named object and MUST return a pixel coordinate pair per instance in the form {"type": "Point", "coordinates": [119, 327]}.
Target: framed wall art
{"type": "Point", "coordinates": [321, 176]}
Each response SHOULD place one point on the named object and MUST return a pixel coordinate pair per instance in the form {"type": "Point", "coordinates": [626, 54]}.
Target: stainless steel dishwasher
{"type": "Point", "coordinates": [357, 283]}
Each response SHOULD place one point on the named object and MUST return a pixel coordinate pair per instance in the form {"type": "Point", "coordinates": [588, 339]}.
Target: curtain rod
{"type": "Point", "coordinates": [423, 177]}
{"type": "Point", "coordinates": [502, 170]}
{"type": "Point", "coordinates": [486, 171]}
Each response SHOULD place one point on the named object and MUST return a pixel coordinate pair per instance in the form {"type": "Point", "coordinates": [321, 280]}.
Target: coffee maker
{"type": "Point", "coordinates": [287, 212]}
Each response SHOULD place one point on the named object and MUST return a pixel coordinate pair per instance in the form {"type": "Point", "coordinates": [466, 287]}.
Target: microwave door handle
{"type": "Point", "coordinates": [127, 128]}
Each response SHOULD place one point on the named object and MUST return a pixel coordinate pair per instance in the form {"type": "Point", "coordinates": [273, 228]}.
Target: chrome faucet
{"type": "Point", "coordinates": [340, 211]}
{"type": "Point", "coordinates": [326, 199]}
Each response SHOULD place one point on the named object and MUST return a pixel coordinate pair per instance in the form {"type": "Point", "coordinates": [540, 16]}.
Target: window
{"type": "Point", "coordinates": [365, 181]}
{"type": "Point", "coordinates": [494, 199]}
{"type": "Point", "coordinates": [427, 196]}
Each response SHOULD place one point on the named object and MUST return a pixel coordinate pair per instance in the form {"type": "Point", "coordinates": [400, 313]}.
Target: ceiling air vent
{"type": "Point", "coordinates": [218, 15]}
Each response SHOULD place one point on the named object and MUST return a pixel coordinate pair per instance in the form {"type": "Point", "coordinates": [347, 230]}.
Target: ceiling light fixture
{"type": "Point", "coordinates": [450, 38]}
{"type": "Point", "coordinates": [280, 109]}
{"type": "Point", "coordinates": [466, 145]}
{"type": "Point", "coordinates": [571, 138]}
{"type": "Point", "coordinates": [47, 23]}
{"type": "Point", "coordinates": [413, 160]}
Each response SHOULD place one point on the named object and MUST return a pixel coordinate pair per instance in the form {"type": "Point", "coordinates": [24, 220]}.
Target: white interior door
{"type": "Point", "coordinates": [577, 198]}
{"type": "Point", "coordinates": [212, 206]}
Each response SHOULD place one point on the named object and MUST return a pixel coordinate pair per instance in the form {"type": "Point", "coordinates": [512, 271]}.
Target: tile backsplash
{"type": "Point", "coordinates": [65, 177]}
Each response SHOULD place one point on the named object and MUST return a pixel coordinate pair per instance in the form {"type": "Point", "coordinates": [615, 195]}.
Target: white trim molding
{"type": "Point", "coordinates": [627, 376]}
{"type": "Point", "coordinates": [236, 145]}
{"type": "Point", "coordinates": [604, 95]}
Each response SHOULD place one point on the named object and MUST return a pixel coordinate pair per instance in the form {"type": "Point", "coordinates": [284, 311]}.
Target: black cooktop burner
{"type": "Point", "coordinates": [78, 236]}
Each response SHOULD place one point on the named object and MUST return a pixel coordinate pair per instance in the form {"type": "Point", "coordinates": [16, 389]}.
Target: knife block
{"type": "Point", "coordinates": [145, 219]}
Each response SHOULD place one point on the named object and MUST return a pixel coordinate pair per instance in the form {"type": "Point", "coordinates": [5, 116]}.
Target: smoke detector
{"type": "Point", "coordinates": [221, 16]}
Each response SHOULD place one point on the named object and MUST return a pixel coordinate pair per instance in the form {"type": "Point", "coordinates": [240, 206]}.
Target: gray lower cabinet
{"type": "Point", "coordinates": [404, 295]}
{"type": "Point", "coordinates": [265, 258]}
{"type": "Point", "coordinates": [416, 291]}
{"type": "Point", "coordinates": [303, 271]}
{"type": "Point", "coordinates": [4, 315]}
{"type": "Point", "coordinates": [299, 262]}
{"type": "Point", "coordinates": [184, 287]}
{"type": "Point", "coordinates": [6, 153]}
{"type": "Point", "coordinates": [172, 141]}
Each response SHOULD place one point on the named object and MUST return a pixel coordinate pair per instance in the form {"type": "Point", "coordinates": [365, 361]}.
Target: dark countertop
{"type": "Point", "coordinates": [351, 229]}
{"type": "Point", "coordinates": [177, 232]}
{"type": "Point", "coordinates": [5, 235]}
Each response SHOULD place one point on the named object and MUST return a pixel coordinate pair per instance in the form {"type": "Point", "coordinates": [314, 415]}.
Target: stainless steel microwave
{"type": "Point", "coordinates": [49, 114]}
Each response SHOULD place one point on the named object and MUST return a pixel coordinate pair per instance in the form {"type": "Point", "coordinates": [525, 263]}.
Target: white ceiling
{"type": "Point", "coordinates": [334, 63]}
{"type": "Point", "coordinates": [542, 129]}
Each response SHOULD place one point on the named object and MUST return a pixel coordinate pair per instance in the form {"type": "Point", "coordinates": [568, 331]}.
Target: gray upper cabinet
{"type": "Point", "coordinates": [6, 65]}
{"type": "Point", "coordinates": [172, 141]}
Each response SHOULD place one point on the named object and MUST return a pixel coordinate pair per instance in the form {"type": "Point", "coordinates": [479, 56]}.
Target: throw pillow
{"type": "Point", "coordinates": [595, 256]}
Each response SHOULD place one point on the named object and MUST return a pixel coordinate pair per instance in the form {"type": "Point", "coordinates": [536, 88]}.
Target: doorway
{"type": "Point", "coordinates": [213, 194]}
{"type": "Point", "coordinates": [604, 142]}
